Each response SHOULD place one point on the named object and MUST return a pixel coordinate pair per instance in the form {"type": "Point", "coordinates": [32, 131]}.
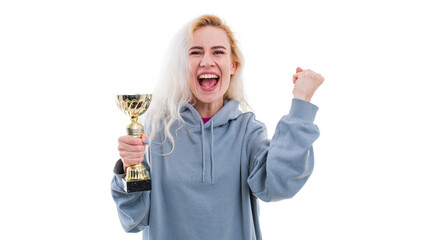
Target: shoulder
{"type": "Point", "coordinates": [249, 121]}
{"type": "Point", "coordinates": [250, 118]}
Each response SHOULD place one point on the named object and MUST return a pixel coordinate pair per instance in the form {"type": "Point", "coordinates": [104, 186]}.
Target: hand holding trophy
{"type": "Point", "coordinates": [136, 179]}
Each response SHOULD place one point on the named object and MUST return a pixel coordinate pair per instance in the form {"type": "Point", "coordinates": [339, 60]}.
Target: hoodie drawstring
{"type": "Point", "coordinates": [211, 156]}
{"type": "Point", "coordinates": [202, 146]}
{"type": "Point", "coordinates": [211, 153]}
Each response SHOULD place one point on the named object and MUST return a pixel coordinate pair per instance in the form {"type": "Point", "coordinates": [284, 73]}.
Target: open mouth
{"type": "Point", "coordinates": [208, 81]}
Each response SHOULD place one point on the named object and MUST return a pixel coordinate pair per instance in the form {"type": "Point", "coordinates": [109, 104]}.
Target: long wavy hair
{"type": "Point", "coordinates": [172, 91]}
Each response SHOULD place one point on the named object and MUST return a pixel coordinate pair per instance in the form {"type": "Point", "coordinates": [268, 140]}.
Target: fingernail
{"type": "Point", "coordinates": [146, 141]}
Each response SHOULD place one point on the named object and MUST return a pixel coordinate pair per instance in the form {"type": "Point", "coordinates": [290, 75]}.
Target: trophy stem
{"type": "Point", "coordinates": [135, 129]}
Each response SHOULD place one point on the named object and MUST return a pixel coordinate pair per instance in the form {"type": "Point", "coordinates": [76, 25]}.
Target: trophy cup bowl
{"type": "Point", "coordinates": [136, 179]}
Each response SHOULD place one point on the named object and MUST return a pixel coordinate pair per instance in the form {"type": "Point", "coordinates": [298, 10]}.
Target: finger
{"type": "Point", "coordinates": [130, 158]}
{"type": "Point", "coordinates": [321, 78]}
{"type": "Point", "coordinates": [130, 140]}
{"type": "Point", "coordinates": [298, 70]}
{"type": "Point", "coordinates": [130, 148]}
{"type": "Point", "coordinates": [295, 77]}
{"type": "Point", "coordinates": [145, 139]}
{"type": "Point", "coordinates": [131, 161]}
{"type": "Point", "coordinates": [134, 155]}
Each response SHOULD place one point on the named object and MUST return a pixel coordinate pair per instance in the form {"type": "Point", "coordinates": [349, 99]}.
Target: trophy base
{"type": "Point", "coordinates": [137, 185]}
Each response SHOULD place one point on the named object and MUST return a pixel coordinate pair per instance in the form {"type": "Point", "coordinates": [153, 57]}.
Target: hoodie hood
{"type": "Point", "coordinates": [192, 119]}
{"type": "Point", "coordinates": [228, 112]}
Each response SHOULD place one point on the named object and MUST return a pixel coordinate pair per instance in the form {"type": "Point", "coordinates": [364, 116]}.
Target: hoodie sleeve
{"type": "Point", "coordinates": [133, 208]}
{"type": "Point", "coordinates": [280, 167]}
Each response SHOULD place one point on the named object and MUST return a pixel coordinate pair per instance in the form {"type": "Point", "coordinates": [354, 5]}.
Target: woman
{"type": "Point", "coordinates": [209, 162]}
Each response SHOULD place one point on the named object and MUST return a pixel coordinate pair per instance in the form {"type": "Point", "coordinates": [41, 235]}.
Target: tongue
{"type": "Point", "coordinates": [208, 82]}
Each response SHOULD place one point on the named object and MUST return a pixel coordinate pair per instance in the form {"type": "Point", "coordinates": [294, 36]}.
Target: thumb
{"type": "Point", "coordinates": [145, 139]}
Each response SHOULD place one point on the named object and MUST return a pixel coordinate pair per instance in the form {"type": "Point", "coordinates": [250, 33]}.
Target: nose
{"type": "Point", "coordinates": [206, 61]}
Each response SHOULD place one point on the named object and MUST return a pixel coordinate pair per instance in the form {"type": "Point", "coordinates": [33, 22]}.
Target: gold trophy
{"type": "Point", "coordinates": [136, 179]}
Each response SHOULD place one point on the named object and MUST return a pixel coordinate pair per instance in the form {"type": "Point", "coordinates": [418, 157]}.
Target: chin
{"type": "Point", "coordinates": [209, 100]}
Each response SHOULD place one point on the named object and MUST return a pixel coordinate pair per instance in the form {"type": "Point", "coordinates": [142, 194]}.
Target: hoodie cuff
{"type": "Point", "coordinates": [118, 168]}
{"type": "Point", "coordinates": [119, 174]}
{"type": "Point", "coordinates": [302, 110]}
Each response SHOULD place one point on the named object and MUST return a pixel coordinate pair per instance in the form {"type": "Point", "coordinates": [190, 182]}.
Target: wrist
{"type": "Point", "coordinates": [304, 98]}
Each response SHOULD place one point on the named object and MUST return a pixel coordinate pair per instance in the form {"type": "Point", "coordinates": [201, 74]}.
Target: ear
{"type": "Point", "coordinates": [234, 67]}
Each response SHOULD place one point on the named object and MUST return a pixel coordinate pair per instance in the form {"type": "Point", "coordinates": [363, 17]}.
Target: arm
{"type": "Point", "coordinates": [279, 168]}
{"type": "Point", "coordinates": [133, 208]}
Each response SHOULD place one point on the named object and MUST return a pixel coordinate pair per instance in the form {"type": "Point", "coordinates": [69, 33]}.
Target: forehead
{"type": "Point", "coordinates": [210, 36]}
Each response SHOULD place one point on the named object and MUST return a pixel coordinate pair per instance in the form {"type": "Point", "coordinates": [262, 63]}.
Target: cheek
{"type": "Point", "coordinates": [192, 75]}
{"type": "Point", "coordinates": [225, 84]}
{"type": "Point", "coordinates": [192, 85]}
{"type": "Point", "coordinates": [192, 66]}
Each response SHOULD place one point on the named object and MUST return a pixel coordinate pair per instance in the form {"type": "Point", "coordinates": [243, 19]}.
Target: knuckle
{"type": "Point", "coordinates": [123, 155]}
{"type": "Point", "coordinates": [124, 138]}
{"type": "Point", "coordinates": [129, 140]}
{"type": "Point", "coordinates": [134, 161]}
{"type": "Point", "coordinates": [132, 140]}
{"type": "Point", "coordinates": [121, 147]}
{"type": "Point", "coordinates": [137, 141]}
{"type": "Point", "coordinates": [125, 160]}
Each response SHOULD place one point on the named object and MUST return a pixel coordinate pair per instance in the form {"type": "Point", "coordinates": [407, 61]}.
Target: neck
{"type": "Point", "coordinates": [208, 110]}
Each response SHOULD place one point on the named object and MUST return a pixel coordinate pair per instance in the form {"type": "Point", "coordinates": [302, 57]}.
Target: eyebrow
{"type": "Point", "coordinates": [214, 47]}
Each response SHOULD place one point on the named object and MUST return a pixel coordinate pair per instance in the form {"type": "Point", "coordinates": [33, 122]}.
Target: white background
{"type": "Point", "coordinates": [62, 62]}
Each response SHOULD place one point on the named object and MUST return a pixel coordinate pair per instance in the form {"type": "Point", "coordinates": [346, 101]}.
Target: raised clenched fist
{"type": "Point", "coordinates": [306, 82]}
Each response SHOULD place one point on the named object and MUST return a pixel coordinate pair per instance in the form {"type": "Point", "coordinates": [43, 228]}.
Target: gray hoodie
{"type": "Point", "coordinates": [208, 187]}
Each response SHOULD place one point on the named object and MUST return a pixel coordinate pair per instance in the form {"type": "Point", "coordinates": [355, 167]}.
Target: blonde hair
{"type": "Point", "coordinates": [172, 91]}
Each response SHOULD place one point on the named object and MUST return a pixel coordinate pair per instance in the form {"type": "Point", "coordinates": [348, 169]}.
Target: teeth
{"type": "Point", "coordinates": [208, 76]}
